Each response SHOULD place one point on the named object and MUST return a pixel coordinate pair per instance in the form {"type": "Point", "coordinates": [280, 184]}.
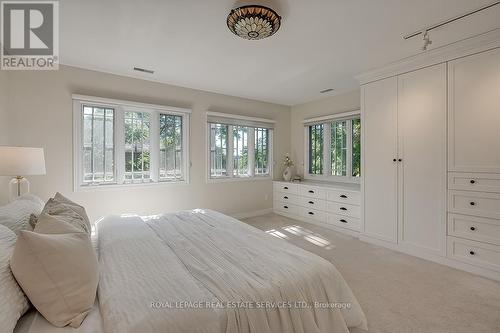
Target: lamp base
{"type": "Point", "coordinates": [18, 186]}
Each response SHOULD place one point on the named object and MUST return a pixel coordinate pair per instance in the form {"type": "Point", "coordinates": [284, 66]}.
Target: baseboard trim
{"type": "Point", "coordinates": [254, 213]}
{"type": "Point", "coordinates": [417, 252]}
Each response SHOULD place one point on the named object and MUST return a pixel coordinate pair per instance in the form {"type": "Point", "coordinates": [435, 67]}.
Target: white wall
{"type": "Point", "coordinates": [335, 104]}
{"type": "Point", "coordinates": [40, 115]}
{"type": "Point", "coordinates": [4, 129]}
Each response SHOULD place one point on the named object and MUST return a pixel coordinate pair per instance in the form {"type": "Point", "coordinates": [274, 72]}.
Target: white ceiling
{"type": "Point", "coordinates": [321, 43]}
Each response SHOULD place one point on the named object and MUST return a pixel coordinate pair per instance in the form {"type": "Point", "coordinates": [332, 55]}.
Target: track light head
{"type": "Point", "coordinates": [427, 40]}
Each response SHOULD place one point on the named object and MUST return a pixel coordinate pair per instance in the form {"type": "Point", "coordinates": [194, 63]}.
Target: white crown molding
{"type": "Point", "coordinates": [464, 47]}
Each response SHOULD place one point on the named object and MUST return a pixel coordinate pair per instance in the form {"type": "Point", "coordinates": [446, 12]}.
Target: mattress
{"type": "Point", "coordinates": [202, 271]}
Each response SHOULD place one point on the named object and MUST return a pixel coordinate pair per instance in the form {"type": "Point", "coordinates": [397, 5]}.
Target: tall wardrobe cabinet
{"type": "Point", "coordinates": [404, 159]}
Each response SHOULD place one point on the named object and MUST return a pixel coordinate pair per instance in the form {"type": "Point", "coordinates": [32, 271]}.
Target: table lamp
{"type": "Point", "coordinates": [20, 162]}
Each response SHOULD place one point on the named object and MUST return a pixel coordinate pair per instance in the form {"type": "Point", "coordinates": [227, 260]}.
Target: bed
{"type": "Point", "coordinates": [202, 271]}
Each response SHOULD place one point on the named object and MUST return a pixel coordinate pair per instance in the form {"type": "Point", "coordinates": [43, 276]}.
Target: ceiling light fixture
{"type": "Point", "coordinates": [253, 22]}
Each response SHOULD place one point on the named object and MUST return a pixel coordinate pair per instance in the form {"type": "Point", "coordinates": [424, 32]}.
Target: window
{"type": "Point", "coordinates": [238, 148]}
{"type": "Point", "coordinates": [98, 145]}
{"type": "Point", "coordinates": [334, 148]}
{"type": "Point", "coordinates": [124, 143]}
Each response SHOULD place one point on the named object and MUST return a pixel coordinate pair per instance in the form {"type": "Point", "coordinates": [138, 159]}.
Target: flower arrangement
{"type": "Point", "coordinates": [288, 161]}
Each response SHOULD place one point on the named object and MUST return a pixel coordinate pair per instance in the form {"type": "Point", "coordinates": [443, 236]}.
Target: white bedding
{"type": "Point", "coordinates": [151, 268]}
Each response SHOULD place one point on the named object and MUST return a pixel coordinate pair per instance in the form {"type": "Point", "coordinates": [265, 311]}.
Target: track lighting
{"type": "Point", "coordinates": [427, 40]}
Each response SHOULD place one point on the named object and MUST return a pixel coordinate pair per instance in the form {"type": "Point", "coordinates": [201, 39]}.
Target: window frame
{"type": "Point", "coordinates": [120, 107]}
{"type": "Point", "coordinates": [241, 121]}
{"type": "Point", "coordinates": [327, 165]}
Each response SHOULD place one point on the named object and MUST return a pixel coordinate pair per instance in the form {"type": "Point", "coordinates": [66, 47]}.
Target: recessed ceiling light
{"type": "Point", "coordinates": [326, 90]}
{"type": "Point", "coordinates": [139, 69]}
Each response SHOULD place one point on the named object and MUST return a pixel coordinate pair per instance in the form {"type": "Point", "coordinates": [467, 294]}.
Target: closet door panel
{"type": "Point", "coordinates": [422, 149]}
{"type": "Point", "coordinates": [474, 113]}
{"type": "Point", "coordinates": [379, 103]}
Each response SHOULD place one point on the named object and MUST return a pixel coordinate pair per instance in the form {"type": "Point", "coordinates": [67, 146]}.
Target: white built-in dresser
{"type": "Point", "coordinates": [334, 205]}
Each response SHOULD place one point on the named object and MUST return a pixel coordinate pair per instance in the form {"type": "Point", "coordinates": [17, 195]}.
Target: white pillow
{"type": "Point", "coordinates": [13, 302]}
{"type": "Point", "coordinates": [16, 214]}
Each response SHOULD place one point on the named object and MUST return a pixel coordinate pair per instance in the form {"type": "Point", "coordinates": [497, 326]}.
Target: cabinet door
{"type": "Point", "coordinates": [379, 110]}
{"type": "Point", "coordinates": [474, 113]}
{"type": "Point", "coordinates": [422, 149]}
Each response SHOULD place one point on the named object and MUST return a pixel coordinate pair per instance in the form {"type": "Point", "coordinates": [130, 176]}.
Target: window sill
{"type": "Point", "coordinates": [237, 179]}
{"type": "Point", "coordinates": [106, 187]}
{"type": "Point", "coordinates": [333, 179]}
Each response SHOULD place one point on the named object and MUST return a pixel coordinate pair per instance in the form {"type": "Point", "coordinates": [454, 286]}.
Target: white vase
{"type": "Point", "coordinates": [287, 174]}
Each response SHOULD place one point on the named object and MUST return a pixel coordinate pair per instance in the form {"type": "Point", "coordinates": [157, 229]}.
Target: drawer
{"type": "Point", "coordinates": [286, 198]}
{"type": "Point", "coordinates": [312, 214]}
{"type": "Point", "coordinates": [349, 197]}
{"type": "Point", "coordinates": [475, 253]}
{"type": "Point", "coordinates": [343, 221]}
{"type": "Point", "coordinates": [484, 182]}
{"type": "Point", "coordinates": [475, 228]}
{"type": "Point", "coordinates": [286, 188]}
{"type": "Point", "coordinates": [343, 209]}
{"type": "Point", "coordinates": [285, 208]}
{"type": "Point", "coordinates": [312, 203]}
{"type": "Point", "coordinates": [312, 191]}
{"type": "Point", "coordinates": [474, 203]}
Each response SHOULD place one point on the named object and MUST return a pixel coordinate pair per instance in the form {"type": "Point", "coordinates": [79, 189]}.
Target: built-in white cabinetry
{"type": "Point", "coordinates": [379, 119]}
{"type": "Point", "coordinates": [474, 160]}
{"type": "Point", "coordinates": [337, 206]}
{"type": "Point", "coordinates": [474, 113]}
{"type": "Point", "coordinates": [404, 121]}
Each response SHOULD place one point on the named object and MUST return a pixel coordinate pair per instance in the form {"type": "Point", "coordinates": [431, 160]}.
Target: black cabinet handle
{"type": "Point", "coordinates": [343, 196]}
{"type": "Point", "coordinates": [285, 207]}
{"type": "Point", "coordinates": [394, 160]}
{"type": "Point", "coordinates": [400, 160]}
{"type": "Point", "coordinates": [285, 197]}
{"type": "Point", "coordinates": [472, 253]}
{"type": "Point", "coordinates": [310, 213]}
{"type": "Point", "coordinates": [311, 191]}
{"type": "Point", "coordinates": [311, 202]}
{"type": "Point", "coordinates": [472, 181]}
{"type": "Point", "coordinates": [472, 228]}
{"type": "Point", "coordinates": [472, 203]}
{"type": "Point", "coordinates": [343, 221]}
{"type": "Point", "coordinates": [343, 208]}
{"type": "Point", "coordinates": [286, 187]}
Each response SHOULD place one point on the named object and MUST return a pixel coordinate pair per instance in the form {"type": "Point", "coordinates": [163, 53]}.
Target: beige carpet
{"type": "Point", "coordinates": [399, 293]}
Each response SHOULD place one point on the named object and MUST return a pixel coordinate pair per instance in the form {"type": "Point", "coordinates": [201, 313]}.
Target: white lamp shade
{"type": "Point", "coordinates": [21, 161]}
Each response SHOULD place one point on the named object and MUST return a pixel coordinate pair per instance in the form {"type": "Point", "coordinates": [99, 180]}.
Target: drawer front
{"type": "Point", "coordinates": [344, 209]}
{"type": "Point", "coordinates": [312, 214]}
{"type": "Point", "coordinates": [475, 253]}
{"type": "Point", "coordinates": [483, 182]}
{"type": "Point", "coordinates": [474, 228]}
{"type": "Point", "coordinates": [285, 208]}
{"type": "Point", "coordinates": [312, 191]}
{"type": "Point", "coordinates": [312, 203]}
{"type": "Point", "coordinates": [475, 203]}
{"type": "Point", "coordinates": [352, 198]}
{"type": "Point", "coordinates": [286, 198]}
{"type": "Point", "coordinates": [286, 188]}
{"type": "Point", "coordinates": [344, 221]}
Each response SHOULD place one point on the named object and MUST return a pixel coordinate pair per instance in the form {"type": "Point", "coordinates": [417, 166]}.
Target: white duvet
{"type": "Point", "coordinates": [202, 271]}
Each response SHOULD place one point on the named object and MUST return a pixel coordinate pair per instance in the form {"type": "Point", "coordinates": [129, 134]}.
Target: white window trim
{"type": "Point", "coordinates": [251, 150]}
{"type": "Point", "coordinates": [327, 165]}
{"type": "Point", "coordinates": [120, 107]}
